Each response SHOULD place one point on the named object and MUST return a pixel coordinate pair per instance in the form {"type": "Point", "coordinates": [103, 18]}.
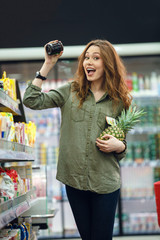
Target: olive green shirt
{"type": "Point", "coordinates": [81, 164]}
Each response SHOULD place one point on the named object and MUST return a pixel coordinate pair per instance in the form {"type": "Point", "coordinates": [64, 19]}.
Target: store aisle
{"type": "Point", "coordinates": [138, 238]}
{"type": "Point", "coordinates": [133, 238]}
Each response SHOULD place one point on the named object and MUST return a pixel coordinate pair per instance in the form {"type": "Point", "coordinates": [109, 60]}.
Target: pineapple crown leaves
{"type": "Point", "coordinates": [129, 118]}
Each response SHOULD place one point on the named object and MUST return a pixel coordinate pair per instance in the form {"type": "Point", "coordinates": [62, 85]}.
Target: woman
{"type": "Point", "coordinates": [88, 166]}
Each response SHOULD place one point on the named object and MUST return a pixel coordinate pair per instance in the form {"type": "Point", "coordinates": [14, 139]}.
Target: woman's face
{"type": "Point", "coordinates": [93, 64]}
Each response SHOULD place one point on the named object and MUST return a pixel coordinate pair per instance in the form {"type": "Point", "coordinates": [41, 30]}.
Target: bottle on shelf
{"type": "Point", "coordinates": [154, 82]}
{"type": "Point", "coordinates": [141, 83]}
{"type": "Point", "coordinates": [129, 81]}
{"type": "Point", "coordinates": [135, 82]}
{"type": "Point", "coordinates": [147, 82]}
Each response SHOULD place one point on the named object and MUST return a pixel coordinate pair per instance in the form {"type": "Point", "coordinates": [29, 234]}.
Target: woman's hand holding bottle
{"type": "Point", "coordinates": [53, 51]}
{"type": "Point", "coordinates": [50, 57]}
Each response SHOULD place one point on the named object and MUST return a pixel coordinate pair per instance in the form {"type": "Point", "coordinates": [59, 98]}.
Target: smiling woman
{"type": "Point", "coordinates": [93, 66]}
{"type": "Point", "coordinates": [89, 168]}
{"type": "Point", "coordinates": [103, 64]}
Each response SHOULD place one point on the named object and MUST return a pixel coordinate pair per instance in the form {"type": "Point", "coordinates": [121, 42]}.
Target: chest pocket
{"type": "Point", "coordinates": [101, 121]}
{"type": "Point", "coordinates": [77, 114]}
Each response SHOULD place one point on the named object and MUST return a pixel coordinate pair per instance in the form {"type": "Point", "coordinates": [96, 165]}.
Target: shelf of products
{"type": "Point", "coordinates": [141, 167]}
{"type": "Point", "coordinates": [12, 151]}
{"type": "Point", "coordinates": [16, 155]}
{"type": "Point", "coordinates": [13, 208]}
{"type": "Point", "coordinates": [7, 104]}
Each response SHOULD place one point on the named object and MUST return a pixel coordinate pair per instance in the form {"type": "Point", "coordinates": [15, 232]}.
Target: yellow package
{"type": "Point", "coordinates": [3, 125]}
{"type": "Point", "coordinates": [31, 133]}
{"type": "Point", "coordinates": [17, 133]}
{"type": "Point", "coordinates": [6, 120]}
{"type": "Point", "coordinates": [26, 135]}
{"type": "Point", "coordinates": [9, 86]}
{"type": "Point", "coordinates": [11, 136]}
{"type": "Point", "coordinates": [13, 93]}
{"type": "Point", "coordinates": [6, 85]}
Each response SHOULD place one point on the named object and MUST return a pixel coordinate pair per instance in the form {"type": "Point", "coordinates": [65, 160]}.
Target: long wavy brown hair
{"type": "Point", "coordinates": [114, 75]}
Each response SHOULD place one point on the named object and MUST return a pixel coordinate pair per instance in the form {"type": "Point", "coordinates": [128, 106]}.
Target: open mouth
{"type": "Point", "coordinates": [90, 71]}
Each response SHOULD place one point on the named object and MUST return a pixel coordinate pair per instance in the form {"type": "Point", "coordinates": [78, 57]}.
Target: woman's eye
{"type": "Point", "coordinates": [95, 58]}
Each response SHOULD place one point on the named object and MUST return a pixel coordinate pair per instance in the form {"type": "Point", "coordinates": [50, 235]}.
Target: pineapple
{"type": "Point", "coordinates": [124, 124]}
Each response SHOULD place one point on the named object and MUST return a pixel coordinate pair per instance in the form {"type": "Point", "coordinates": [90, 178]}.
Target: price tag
{"type": "Point", "coordinates": [111, 121]}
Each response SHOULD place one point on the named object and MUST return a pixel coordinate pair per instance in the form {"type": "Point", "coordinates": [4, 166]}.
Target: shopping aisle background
{"type": "Point", "coordinates": [138, 238]}
{"type": "Point", "coordinates": [22, 55]}
{"type": "Point", "coordinates": [140, 169]}
{"type": "Point", "coordinates": [133, 238]}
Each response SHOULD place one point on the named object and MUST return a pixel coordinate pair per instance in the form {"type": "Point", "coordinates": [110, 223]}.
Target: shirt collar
{"type": "Point", "coordinates": [103, 97]}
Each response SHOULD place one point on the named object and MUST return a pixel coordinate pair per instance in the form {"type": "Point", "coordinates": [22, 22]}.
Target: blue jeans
{"type": "Point", "coordinates": [94, 213]}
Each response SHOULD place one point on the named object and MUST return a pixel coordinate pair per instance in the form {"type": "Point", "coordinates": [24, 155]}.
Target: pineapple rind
{"type": "Point", "coordinates": [114, 131]}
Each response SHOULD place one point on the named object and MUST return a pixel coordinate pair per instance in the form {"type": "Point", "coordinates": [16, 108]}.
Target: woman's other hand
{"type": "Point", "coordinates": [111, 144]}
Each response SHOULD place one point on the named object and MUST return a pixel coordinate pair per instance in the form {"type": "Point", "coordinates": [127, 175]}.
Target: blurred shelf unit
{"type": "Point", "coordinates": [7, 104]}
{"type": "Point", "coordinates": [12, 151]}
{"type": "Point", "coordinates": [141, 218]}
{"type": "Point", "coordinates": [146, 95]}
{"type": "Point", "coordinates": [13, 208]}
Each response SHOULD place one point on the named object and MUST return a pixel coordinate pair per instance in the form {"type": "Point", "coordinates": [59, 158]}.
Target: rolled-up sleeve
{"type": "Point", "coordinates": [121, 155]}
{"type": "Point", "coordinates": [35, 99]}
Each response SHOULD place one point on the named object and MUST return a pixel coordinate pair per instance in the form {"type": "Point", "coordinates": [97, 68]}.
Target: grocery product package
{"type": "Point", "coordinates": [9, 86]}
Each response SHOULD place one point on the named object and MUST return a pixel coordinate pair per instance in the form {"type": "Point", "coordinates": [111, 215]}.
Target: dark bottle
{"type": "Point", "coordinates": [54, 48]}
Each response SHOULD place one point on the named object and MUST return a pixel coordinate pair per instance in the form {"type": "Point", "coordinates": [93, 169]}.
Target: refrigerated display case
{"type": "Point", "coordinates": [141, 167]}
{"type": "Point", "coordinates": [136, 211]}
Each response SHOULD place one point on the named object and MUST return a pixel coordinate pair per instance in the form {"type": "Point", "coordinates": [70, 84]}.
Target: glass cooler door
{"type": "Point", "coordinates": [141, 167]}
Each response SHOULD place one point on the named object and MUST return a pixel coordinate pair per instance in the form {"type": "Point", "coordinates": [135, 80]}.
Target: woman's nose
{"type": "Point", "coordinates": [90, 60]}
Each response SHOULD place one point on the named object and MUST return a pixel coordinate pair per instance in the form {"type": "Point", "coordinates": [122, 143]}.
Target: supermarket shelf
{"type": "Point", "coordinates": [14, 208]}
{"type": "Point", "coordinates": [43, 216]}
{"type": "Point", "coordinates": [7, 104]}
{"type": "Point", "coordinates": [143, 94]}
{"type": "Point", "coordinates": [141, 205]}
{"type": "Point", "coordinates": [151, 163]}
{"type": "Point", "coordinates": [145, 130]}
{"type": "Point", "coordinates": [16, 201]}
{"type": "Point", "coordinates": [12, 151]}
